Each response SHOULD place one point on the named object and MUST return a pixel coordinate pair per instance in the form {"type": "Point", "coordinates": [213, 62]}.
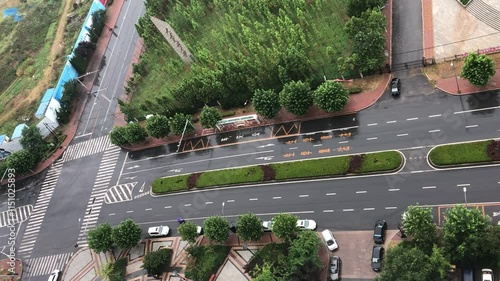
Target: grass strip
{"type": "Point", "coordinates": [333, 166]}
{"type": "Point", "coordinates": [453, 154]}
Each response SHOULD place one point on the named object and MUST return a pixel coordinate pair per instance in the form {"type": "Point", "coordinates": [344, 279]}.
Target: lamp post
{"type": "Point", "coordinates": [223, 204]}
{"type": "Point", "coordinates": [465, 195]}
{"type": "Point", "coordinates": [456, 78]}
{"type": "Point", "coordinates": [182, 136]}
{"type": "Point", "coordinates": [86, 74]}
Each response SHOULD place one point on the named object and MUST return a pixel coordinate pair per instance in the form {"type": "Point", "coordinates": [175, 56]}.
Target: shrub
{"type": "Point", "coordinates": [355, 163]}
{"type": "Point", "coordinates": [205, 261]}
{"type": "Point", "coordinates": [269, 172]}
{"type": "Point", "coordinates": [493, 150]}
{"type": "Point", "coordinates": [192, 179]}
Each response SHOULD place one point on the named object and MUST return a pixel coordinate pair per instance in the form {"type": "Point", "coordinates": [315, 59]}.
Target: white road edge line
{"type": "Point", "coordinates": [474, 110]}
{"type": "Point", "coordinates": [428, 187]}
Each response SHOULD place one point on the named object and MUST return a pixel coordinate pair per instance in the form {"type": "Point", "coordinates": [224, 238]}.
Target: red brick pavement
{"type": "Point", "coordinates": [427, 29]}
{"type": "Point", "coordinates": [449, 85]}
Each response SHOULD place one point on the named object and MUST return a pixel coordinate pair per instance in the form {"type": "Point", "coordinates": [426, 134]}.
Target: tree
{"type": "Point", "coordinates": [266, 103]}
{"type": "Point", "coordinates": [419, 223]}
{"type": "Point", "coordinates": [118, 136]}
{"type": "Point", "coordinates": [331, 96]}
{"type": "Point", "coordinates": [85, 49]}
{"type": "Point", "coordinates": [478, 69]}
{"type": "Point", "coordinates": [493, 237]}
{"type": "Point", "coordinates": [265, 274]}
{"type": "Point", "coordinates": [100, 239]}
{"type": "Point", "coordinates": [135, 133]}
{"type": "Point", "coordinates": [216, 229]}
{"type": "Point", "coordinates": [98, 23]}
{"type": "Point", "coordinates": [157, 262]}
{"type": "Point", "coordinates": [32, 141]}
{"type": "Point", "coordinates": [22, 161]}
{"type": "Point", "coordinates": [367, 34]}
{"type": "Point", "coordinates": [249, 227]}
{"type": "Point", "coordinates": [188, 232]}
{"type": "Point", "coordinates": [303, 257]}
{"type": "Point", "coordinates": [157, 126]}
{"type": "Point", "coordinates": [462, 227]}
{"type": "Point", "coordinates": [404, 262]}
{"type": "Point", "coordinates": [357, 7]}
{"type": "Point", "coordinates": [285, 227]}
{"type": "Point", "coordinates": [293, 64]}
{"type": "Point", "coordinates": [209, 117]}
{"type": "Point", "coordinates": [296, 97]}
{"type": "Point", "coordinates": [178, 122]}
{"type": "Point", "coordinates": [63, 115]}
{"type": "Point", "coordinates": [127, 234]}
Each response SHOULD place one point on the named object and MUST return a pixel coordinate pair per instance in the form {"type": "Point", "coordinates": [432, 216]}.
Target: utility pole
{"type": "Point", "coordinates": [50, 131]}
{"type": "Point", "coordinates": [182, 136]}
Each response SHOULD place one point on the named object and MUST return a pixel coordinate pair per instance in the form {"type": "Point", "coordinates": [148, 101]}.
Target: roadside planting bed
{"type": "Point", "coordinates": [466, 153]}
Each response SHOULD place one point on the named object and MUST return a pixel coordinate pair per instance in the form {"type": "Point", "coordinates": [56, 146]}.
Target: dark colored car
{"type": "Point", "coordinates": [377, 257]}
{"type": "Point", "coordinates": [379, 231]}
{"type": "Point", "coordinates": [335, 267]}
{"type": "Point", "coordinates": [395, 86]}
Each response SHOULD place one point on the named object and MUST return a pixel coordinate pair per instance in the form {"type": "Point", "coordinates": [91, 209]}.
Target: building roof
{"type": "Point", "coordinates": [18, 131]}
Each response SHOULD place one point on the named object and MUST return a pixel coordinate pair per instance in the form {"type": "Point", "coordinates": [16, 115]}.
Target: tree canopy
{"type": "Point", "coordinates": [100, 239]}
{"type": "Point", "coordinates": [188, 231]}
{"type": "Point", "coordinates": [216, 229]}
{"type": "Point", "coordinates": [419, 224]}
{"type": "Point", "coordinates": [357, 7]}
{"type": "Point", "coordinates": [478, 69]}
{"type": "Point", "coordinates": [285, 227]}
{"type": "Point", "coordinates": [157, 262]}
{"type": "Point", "coordinates": [32, 141]}
{"type": "Point", "coordinates": [296, 97]}
{"type": "Point", "coordinates": [249, 227]}
{"type": "Point", "coordinates": [178, 122]}
{"type": "Point", "coordinates": [157, 126]}
{"type": "Point", "coordinates": [127, 234]}
{"type": "Point", "coordinates": [209, 117]}
{"type": "Point", "coordinates": [266, 103]}
{"type": "Point", "coordinates": [331, 96]}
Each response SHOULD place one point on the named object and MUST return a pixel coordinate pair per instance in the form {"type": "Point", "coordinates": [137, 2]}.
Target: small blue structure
{"type": "Point", "coordinates": [68, 73]}
{"type": "Point", "coordinates": [4, 138]}
{"type": "Point", "coordinates": [12, 12]}
{"type": "Point", "coordinates": [44, 103]}
{"type": "Point", "coordinates": [18, 131]}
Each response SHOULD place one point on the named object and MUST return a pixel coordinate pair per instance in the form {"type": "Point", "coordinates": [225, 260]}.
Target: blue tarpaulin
{"type": "Point", "coordinates": [14, 12]}
{"type": "Point", "coordinates": [68, 73]}
{"type": "Point", "coordinates": [18, 131]}
{"type": "Point", "coordinates": [44, 103]}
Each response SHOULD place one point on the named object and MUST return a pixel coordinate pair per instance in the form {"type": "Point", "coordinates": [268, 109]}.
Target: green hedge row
{"type": "Point", "coordinates": [466, 153]}
{"type": "Point", "coordinates": [333, 166]}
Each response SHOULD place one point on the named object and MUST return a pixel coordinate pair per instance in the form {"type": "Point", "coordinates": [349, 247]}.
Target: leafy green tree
{"type": "Point", "coordinates": [249, 227]}
{"type": "Point", "coordinates": [357, 7]}
{"type": "Point", "coordinates": [209, 117]}
{"type": "Point", "coordinates": [285, 227]}
{"type": "Point", "coordinates": [493, 237]}
{"type": "Point", "coordinates": [157, 126]}
{"type": "Point", "coordinates": [296, 97]}
{"type": "Point", "coordinates": [216, 229]}
{"type": "Point", "coordinates": [157, 262]}
{"type": "Point", "coordinates": [135, 133]}
{"type": "Point", "coordinates": [265, 274]}
{"type": "Point", "coordinates": [70, 91]}
{"type": "Point", "coordinates": [32, 141]}
{"type": "Point", "coordinates": [178, 122]}
{"type": "Point", "coordinates": [331, 96]}
{"type": "Point", "coordinates": [127, 234]}
{"type": "Point", "coordinates": [404, 262]}
{"type": "Point", "coordinates": [85, 49]}
{"type": "Point", "coordinates": [266, 103]}
{"type": "Point", "coordinates": [305, 247]}
{"type": "Point", "coordinates": [478, 69]}
{"type": "Point", "coordinates": [22, 161]}
{"type": "Point", "coordinates": [367, 34]}
{"type": "Point", "coordinates": [188, 232]}
{"type": "Point", "coordinates": [114, 271]}
{"type": "Point", "coordinates": [118, 136]}
{"type": "Point", "coordinates": [98, 23]}
{"type": "Point", "coordinates": [100, 238]}
{"type": "Point", "coordinates": [293, 64]}
{"type": "Point", "coordinates": [462, 228]}
{"type": "Point", "coordinates": [419, 224]}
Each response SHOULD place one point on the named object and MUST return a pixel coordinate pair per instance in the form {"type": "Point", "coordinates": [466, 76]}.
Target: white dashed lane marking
{"type": "Point", "coordinates": [372, 124]}
{"type": "Point", "coordinates": [390, 208]}
{"type": "Point", "coordinates": [361, 192]}
{"type": "Point", "coordinates": [436, 115]}
{"type": "Point", "coordinates": [428, 187]}
{"type": "Point", "coordinates": [464, 184]}
{"type": "Point", "coordinates": [330, 194]}
{"type": "Point", "coordinates": [394, 189]}
{"type": "Point", "coordinates": [411, 119]}
{"type": "Point", "coordinates": [390, 122]}
{"type": "Point", "coordinates": [402, 135]}
{"type": "Point", "coordinates": [368, 209]}
{"type": "Point", "coordinates": [348, 210]}
{"type": "Point", "coordinates": [374, 138]}
{"type": "Point", "coordinates": [471, 126]}
{"type": "Point", "coordinates": [327, 211]}
{"type": "Point", "coordinates": [434, 131]}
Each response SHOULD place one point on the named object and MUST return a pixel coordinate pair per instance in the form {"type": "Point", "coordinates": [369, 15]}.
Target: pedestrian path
{"type": "Point", "coordinates": [86, 148]}
{"type": "Point", "coordinates": [19, 214]}
{"type": "Point", "coordinates": [45, 265]}
{"type": "Point", "coordinates": [38, 213]}
{"type": "Point", "coordinates": [119, 193]}
{"type": "Point", "coordinates": [100, 188]}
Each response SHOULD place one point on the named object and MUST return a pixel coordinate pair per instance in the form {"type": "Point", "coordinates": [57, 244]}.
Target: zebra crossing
{"type": "Point", "coordinates": [86, 148]}
{"type": "Point", "coordinates": [106, 169]}
{"type": "Point", "coordinates": [38, 213]}
{"type": "Point", "coordinates": [19, 214]}
{"type": "Point", "coordinates": [45, 265]}
{"type": "Point", "coordinates": [119, 193]}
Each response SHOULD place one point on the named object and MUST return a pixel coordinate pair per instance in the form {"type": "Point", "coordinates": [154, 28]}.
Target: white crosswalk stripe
{"type": "Point", "coordinates": [38, 212]}
{"type": "Point", "coordinates": [16, 215]}
{"type": "Point", "coordinates": [119, 193]}
{"type": "Point", "coordinates": [86, 148]}
{"type": "Point", "coordinates": [101, 184]}
{"type": "Point", "coordinates": [45, 265]}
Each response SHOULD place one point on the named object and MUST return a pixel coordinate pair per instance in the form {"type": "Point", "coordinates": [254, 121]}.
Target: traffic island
{"type": "Point", "coordinates": [349, 165]}
{"type": "Point", "coordinates": [465, 154]}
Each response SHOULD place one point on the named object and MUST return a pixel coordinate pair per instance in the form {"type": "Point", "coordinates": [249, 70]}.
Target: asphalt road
{"type": "Point", "coordinates": [407, 42]}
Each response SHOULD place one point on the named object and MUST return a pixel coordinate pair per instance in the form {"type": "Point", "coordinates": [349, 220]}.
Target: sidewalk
{"type": "Point", "coordinates": [449, 85]}
{"type": "Point", "coordinates": [69, 129]}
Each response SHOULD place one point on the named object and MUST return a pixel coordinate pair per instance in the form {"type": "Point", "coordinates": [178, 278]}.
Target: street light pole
{"type": "Point", "coordinates": [465, 195]}
{"type": "Point", "coordinates": [456, 78]}
{"type": "Point", "coordinates": [86, 74]}
{"type": "Point", "coordinates": [223, 204]}
{"type": "Point", "coordinates": [182, 136]}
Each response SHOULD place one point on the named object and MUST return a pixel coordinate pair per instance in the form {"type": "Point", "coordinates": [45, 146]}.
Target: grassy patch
{"type": "Point", "coordinates": [453, 154]}
{"type": "Point", "coordinates": [334, 166]}
{"type": "Point", "coordinates": [205, 261]}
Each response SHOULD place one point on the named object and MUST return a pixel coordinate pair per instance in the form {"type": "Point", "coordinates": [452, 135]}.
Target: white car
{"type": "Point", "coordinates": [306, 224]}
{"type": "Point", "coordinates": [267, 225]}
{"type": "Point", "coordinates": [199, 230]}
{"type": "Point", "coordinates": [330, 241]}
{"type": "Point", "coordinates": [54, 275]}
{"type": "Point", "coordinates": [487, 274]}
{"type": "Point", "coordinates": [157, 231]}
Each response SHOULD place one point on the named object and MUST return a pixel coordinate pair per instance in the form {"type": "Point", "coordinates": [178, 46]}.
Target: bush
{"type": "Point", "coordinates": [115, 271]}
{"type": "Point", "coordinates": [269, 172]}
{"type": "Point", "coordinates": [170, 184]}
{"type": "Point", "coordinates": [493, 150]}
{"type": "Point", "coordinates": [355, 163]}
{"type": "Point", "coordinates": [230, 176]}
{"type": "Point", "coordinates": [204, 261]}
{"type": "Point", "coordinates": [453, 154]}
{"type": "Point", "coordinates": [270, 253]}
{"type": "Point", "coordinates": [192, 180]}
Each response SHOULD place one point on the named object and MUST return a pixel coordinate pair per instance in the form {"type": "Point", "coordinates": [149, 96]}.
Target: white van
{"type": "Point", "coordinates": [487, 274]}
{"type": "Point", "coordinates": [329, 240]}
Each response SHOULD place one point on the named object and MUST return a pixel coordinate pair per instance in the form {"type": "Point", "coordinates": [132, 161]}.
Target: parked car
{"type": "Point", "coordinates": [306, 224]}
{"type": "Point", "coordinates": [199, 230]}
{"type": "Point", "coordinates": [379, 231]}
{"type": "Point", "coordinates": [267, 225]}
{"type": "Point", "coordinates": [330, 241]}
{"type": "Point", "coordinates": [487, 274]}
{"type": "Point", "coordinates": [54, 276]}
{"type": "Point", "coordinates": [157, 231]}
{"type": "Point", "coordinates": [377, 257]}
{"type": "Point", "coordinates": [335, 268]}
{"type": "Point", "coordinates": [395, 86]}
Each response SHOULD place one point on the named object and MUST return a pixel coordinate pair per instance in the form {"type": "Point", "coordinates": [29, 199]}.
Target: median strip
{"type": "Point", "coordinates": [467, 153]}
{"type": "Point", "coordinates": [378, 162]}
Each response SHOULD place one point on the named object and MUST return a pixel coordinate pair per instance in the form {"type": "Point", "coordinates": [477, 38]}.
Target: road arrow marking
{"type": "Point", "coordinates": [142, 188]}
{"type": "Point", "coordinates": [136, 166]}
